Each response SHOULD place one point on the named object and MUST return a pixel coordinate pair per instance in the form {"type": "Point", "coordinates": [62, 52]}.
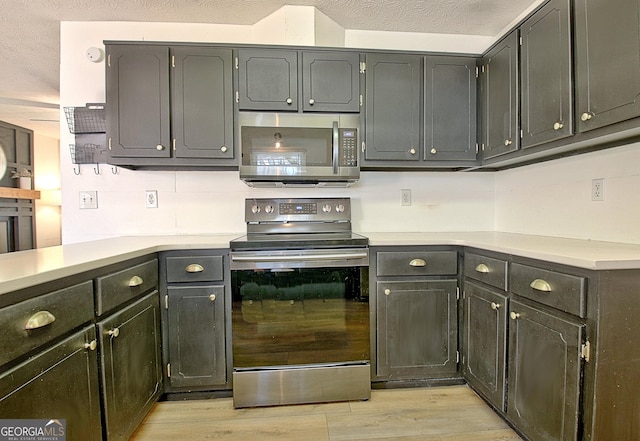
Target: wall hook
{"type": "Point", "coordinates": [96, 169]}
{"type": "Point", "coordinates": [114, 170]}
{"type": "Point", "coordinates": [76, 172]}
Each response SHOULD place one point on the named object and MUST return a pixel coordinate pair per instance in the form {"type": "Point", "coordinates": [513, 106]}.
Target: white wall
{"type": "Point", "coordinates": [554, 198]}
{"type": "Point", "coordinates": [212, 202]}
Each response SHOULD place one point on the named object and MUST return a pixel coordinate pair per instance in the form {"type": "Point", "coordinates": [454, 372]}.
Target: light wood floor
{"type": "Point", "coordinates": [452, 413]}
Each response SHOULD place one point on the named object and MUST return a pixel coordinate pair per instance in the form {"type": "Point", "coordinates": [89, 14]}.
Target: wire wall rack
{"type": "Point", "coordinates": [88, 119]}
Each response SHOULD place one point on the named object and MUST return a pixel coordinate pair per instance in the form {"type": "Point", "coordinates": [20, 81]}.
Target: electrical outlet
{"type": "Point", "coordinates": [597, 189]}
{"type": "Point", "coordinates": [405, 197]}
{"type": "Point", "coordinates": [152, 198]}
{"type": "Point", "coordinates": [88, 199]}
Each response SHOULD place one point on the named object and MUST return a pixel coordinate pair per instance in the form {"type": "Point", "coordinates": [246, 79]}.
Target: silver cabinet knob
{"type": "Point", "coordinates": [224, 149]}
{"type": "Point", "coordinates": [115, 332]}
{"type": "Point", "coordinates": [514, 315]}
{"type": "Point", "coordinates": [387, 292]}
{"type": "Point", "coordinates": [159, 147]}
{"type": "Point", "coordinates": [312, 102]}
{"type": "Point", "coordinates": [586, 116]}
{"type": "Point", "coordinates": [495, 306]}
{"type": "Point", "coordinates": [558, 125]}
{"type": "Point", "coordinates": [412, 151]}
{"type": "Point", "coordinates": [433, 151]}
{"type": "Point", "coordinates": [212, 297]}
{"type": "Point", "coordinates": [508, 142]}
{"type": "Point", "coordinates": [289, 101]}
{"type": "Point", "coordinates": [92, 345]}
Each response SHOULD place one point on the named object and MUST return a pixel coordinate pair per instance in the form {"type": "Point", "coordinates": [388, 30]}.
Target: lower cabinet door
{"type": "Point", "coordinates": [197, 336]}
{"type": "Point", "coordinates": [544, 374]}
{"type": "Point", "coordinates": [486, 342]}
{"type": "Point", "coordinates": [58, 383]}
{"type": "Point", "coordinates": [131, 365]}
{"type": "Point", "coordinates": [417, 329]}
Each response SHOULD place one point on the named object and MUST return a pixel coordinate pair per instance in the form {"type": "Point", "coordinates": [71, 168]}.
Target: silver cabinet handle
{"type": "Point", "coordinates": [495, 306]}
{"type": "Point", "coordinates": [417, 262]}
{"type": "Point", "coordinates": [224, 149]}
{"type": "Point", "coordinates": [586, 116]}
{"type": "Point", "coordinates": [115, 332]}
{"type": "Point", "coordinates": [387, 292]}
{"type": "Point", "coordinates": [194, 268]}
{"type": "Point", "coordinates": [159, 147]}
{"type": "Point", "coordinates": [482, 268]}
{"type": "Point", "coordinates": [514, 315]}
{"type": "Point", "coordinates": [91, 345]}
{"type": "Point", "coordinates": [541, 285]}
{"type": "Point", "coordinates": [212, 297]}
{"type": "Point", "coordinates": [135, 281]}
{"type": "Point", "coordinates": [289, 101]}
{"type": "Point", "coordinates": [558, 125]}
{"type": "Point", "coordinates": [39, 320]}
{"type": "Point", "coordinates": [312, 102]}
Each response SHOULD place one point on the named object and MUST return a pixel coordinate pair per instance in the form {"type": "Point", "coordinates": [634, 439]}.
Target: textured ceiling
{"type": "Point", "coordinates": [30, 36]}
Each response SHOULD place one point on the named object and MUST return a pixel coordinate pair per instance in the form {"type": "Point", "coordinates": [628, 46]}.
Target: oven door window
{"type": "Point", "coordinates": [300, 316]}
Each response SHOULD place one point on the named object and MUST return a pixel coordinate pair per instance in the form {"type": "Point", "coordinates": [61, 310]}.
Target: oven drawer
{"type": "Point", "coordinates": [562, 291]}
{"type": "Point", "coordinates": [119, 287]}
{"type": "Point", "coordinates": [34, 322]}
{"type": "Point", "coordinates": [486, 269]}
{"type": "Point", "coordinates": [417, 263]}
{"type": "Point", "coordinates": [194, 268]}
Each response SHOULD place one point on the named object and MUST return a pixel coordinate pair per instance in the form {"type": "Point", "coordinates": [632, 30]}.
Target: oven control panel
{"type": "Point", "coordinates": [301, 209]}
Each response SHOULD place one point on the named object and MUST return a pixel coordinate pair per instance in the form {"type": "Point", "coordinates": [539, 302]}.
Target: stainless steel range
{"type": "Point", "coordinates": [300, 312]}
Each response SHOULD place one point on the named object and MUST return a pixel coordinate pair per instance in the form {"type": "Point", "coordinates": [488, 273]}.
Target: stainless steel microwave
{"type": "Point", "coordinates": [298, 150]}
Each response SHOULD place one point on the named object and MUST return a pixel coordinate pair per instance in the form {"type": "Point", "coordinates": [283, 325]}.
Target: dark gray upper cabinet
{"type": "Point", "coordinates": [137, 80]}
{"type": "Point", "coordinates": [202, 102]}
{"type": "Point", "coordinates": [169, 106]}
{"type": "Point", "coordinates": [607, 50]}
{"type": "Point", "coordinates": [330, 82]}
{"type": "Point", "coordinates": [544, 374]}
{"type": "Point", "coordinates": [450, 109]}
{"type": "Point", "coordinates": [546, 79]}
{"type": "Point", "coordinates": [500, 95]}
{"type": "Point", "coordinates": [267, 80]}
{"type": "Point", "coordinates": [393, 107]}
{"type": "Point", "coordinates": [273, 80]}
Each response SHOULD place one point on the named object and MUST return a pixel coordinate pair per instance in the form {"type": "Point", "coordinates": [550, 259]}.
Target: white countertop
{"type": "Point", "coordinates": [27, 268]}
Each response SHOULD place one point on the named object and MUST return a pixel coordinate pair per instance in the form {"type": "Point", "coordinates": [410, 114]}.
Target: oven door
{"type": "Point", "coordinates": [300, 327]}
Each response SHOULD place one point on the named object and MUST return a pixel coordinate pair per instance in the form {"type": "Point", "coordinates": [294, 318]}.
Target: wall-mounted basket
{"type": "Point", "coordinates": [88, 119]}
{"type": "Point", "coordinates": [87, 153]}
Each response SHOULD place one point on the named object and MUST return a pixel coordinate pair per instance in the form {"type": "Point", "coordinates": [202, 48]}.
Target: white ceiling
{"type": "Point", "coordinates": [30, 34]}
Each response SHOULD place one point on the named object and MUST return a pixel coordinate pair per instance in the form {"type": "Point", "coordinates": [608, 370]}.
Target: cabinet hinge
{"type": "Point", "coordinates": [364, 147]}
{"type": "Point", "coordinates": [521, 133]}
{"type": "Point", "coordinates": [173, 61]}
{"type": "Point", "coordinates": [585, 351]}
{"type": "Point", "coordinates": [477, 71]}
{"type": "Point", "coordinates": [109, 143]}
{"type": "Point", "coordinates": [464, 294]}
{"type": "Point", "coordinates": [109, 60]}
{"type": "Point", "coordinates": [237, 96]}
{"type": "Point", "coordinates": [173, 144]}
{"type": "Point", "coordinates": [483, 147]}
{"type": "Point", "coordinates": [458, 293]}
{"type": "Point", "coordinates": [477, 148]}
{"type": "Point", "coordinates": [457, 356]}
{"type": "Point", "coordinates": [166, 302]}
{"type": "Point", "coordinates": [168, 370]}
{"type": "Point", "coordinates": [483, 68]}
{"type": "Point", "coordinates": [360, 100]}
{"type": "Point", "coordinates": [520, 41]}
{"type": "Point", "coordinates": [236, 63]}
{"type": "Point", "coordinates": [363, 67]}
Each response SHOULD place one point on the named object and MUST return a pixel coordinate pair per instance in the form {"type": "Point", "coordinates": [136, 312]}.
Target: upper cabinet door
{"type": "Point", "coordinates": [202, 102]}
{"type": "Point", "coordinates": [450, 109]}
{"type": "Point", "coordinates": [138, 101]}
{"type": "Point", "coordinates": [330, 82]}
{"type": "Point", "coordinates": [267, 80]}
{"type": "Point", "coordinates": [547, 107]}
{"type": "Point", "coordinates": [394, 99]}
{"type": "Point", "coordinates": [607, 44]}
{"type": "Point", "coordinates": [500, 107]}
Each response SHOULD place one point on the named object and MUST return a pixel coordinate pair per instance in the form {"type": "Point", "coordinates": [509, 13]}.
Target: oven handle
{"type": "Point", "coordinates": [336, 145]}
{"type": "Point", "coordinates": [298, 258]}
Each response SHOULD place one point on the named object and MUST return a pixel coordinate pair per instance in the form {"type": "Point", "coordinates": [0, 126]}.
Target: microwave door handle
{"type": "Point", "coordinates": [336, 145]}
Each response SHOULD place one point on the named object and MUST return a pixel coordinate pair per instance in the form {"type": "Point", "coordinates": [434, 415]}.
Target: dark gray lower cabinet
{"type": "Point", "coordinates": [486, 342]}
{"type": "Point", "coordinates": [130, 365]}
{"type": "Point", "coordinates": [59, 383]}
{"type": "Point", "coordinates": [544, 374]}
{"type": "Point", "coordinates": [417, 328]}
{"type": "Point", "coordinates": [197, 339]}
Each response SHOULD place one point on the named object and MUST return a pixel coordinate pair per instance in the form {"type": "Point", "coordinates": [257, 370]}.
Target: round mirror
{"type": "Point", "coordinates": [3, 162]}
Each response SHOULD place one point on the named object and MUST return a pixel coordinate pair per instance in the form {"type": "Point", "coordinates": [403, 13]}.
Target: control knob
{"type": "Point", "coordinates": [326, 208]}
{"type": "Point", "coordinates": [340, 208]}
{"type": "Point", "coordinates": [268, 209]}
{"type": "Point", "coordinates": [255, 209]}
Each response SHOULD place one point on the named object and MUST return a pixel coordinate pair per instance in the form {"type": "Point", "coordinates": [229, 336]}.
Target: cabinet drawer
{"type": "Point", "coordinates": [117, 288]}
{"type": "Point", "coordinates": [558, 290]}
{"type": "Point", "coordinates": [194, 268]}
{"type": "Point", "coordinates": [486, 269]}
{"type": "Point", "coordinates": [417, 263]}
{"type": "Point", "coordinates": [49, 316]}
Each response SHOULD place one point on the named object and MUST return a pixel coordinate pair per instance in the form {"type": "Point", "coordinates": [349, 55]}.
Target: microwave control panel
{"type": "Point", "coordinates": [348, 147]}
